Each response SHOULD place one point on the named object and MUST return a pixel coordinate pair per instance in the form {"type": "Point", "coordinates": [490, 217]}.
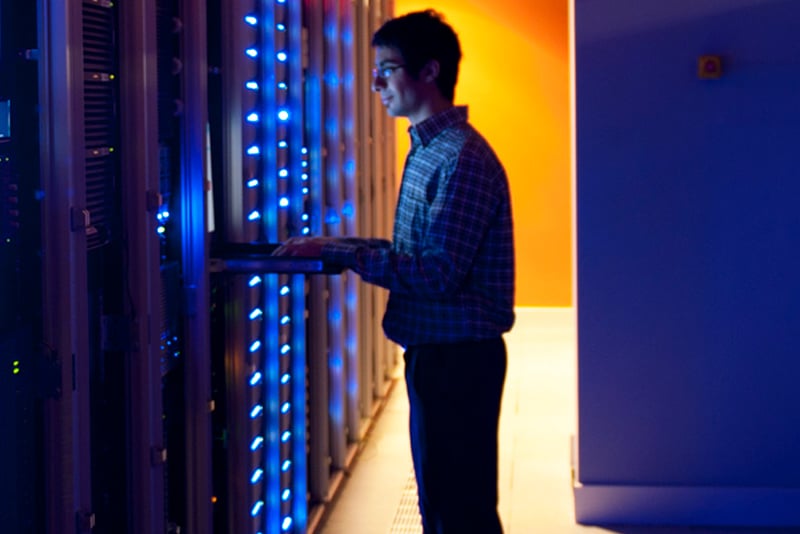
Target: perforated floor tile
{"type": "Point", "coordinates": [407, 519]}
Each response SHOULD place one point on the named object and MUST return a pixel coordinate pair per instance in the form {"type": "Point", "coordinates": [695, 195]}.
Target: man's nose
{"type": "Point", "coordinates": [378, 83]}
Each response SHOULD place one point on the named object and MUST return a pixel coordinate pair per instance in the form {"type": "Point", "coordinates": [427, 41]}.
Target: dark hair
{"type": "Point", "coordinates": [422, 36]}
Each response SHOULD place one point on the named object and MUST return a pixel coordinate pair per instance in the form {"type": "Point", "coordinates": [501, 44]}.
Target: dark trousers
{"type": "Point", "coordinates": [454, 392]}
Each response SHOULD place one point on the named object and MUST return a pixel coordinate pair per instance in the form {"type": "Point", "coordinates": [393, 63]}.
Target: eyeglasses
{"type": "Point", "coordinates": [384, 72]}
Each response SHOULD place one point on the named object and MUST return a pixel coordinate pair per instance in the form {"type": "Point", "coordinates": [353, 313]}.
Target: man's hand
{"type": "Point", "coordinates": [306, 247]}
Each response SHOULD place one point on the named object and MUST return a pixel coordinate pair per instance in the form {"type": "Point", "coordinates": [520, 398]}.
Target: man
{"type": "Point", "coordinates": [450, 273]}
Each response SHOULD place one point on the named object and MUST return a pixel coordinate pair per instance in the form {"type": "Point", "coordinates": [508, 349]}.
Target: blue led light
{"type": "Point", "coordinates": [286, 465]}
{"type": "Point", "coordinates": [286, 378]}
{"type": "Point", "coordinates": [256, 313]}
{"type": "Point", "coordinates": [306, 231]}
{"type": "Point", "coordinates": [286, 495]}
{"type": "Point", "coordinates": [161, 230]}
{"type": "Point", "coordinates": [256, 509]}
{"type": "Point", "coordinates": [256, 444]}
{"type": "Point", "coordinates": [251, 20]}
{"type": "Point", "coordinates": [305, 190]}
{"type": "Point", "coordinates": [286, 524]}
{"type": "Point", "coordinates": [253, 150]}
{"type": "Point", "coordinates": [257, 475]}
{"type": "Point", "coordinates": [282, 86]}
{"type": "Point", "coordinates": [254, 216]}
{"type": "Point", "coordinates": [286, 320]}
{"type": "Point", "coordinates": [256, 378]}
{"type": "Point", "coordinates": [252, 85]}
{"type": "Point", "coordinates": [304, 150]}
{"type": "Point", "coordinates": [251, 52]}
{"type": "Point", "coordinates": [286, 436]}
{"type": "Point", "coordinates": [281, 27]}
{"type": "Point", "coordinates": [285, 290]}
{"type": "Point", "coordinates": [304, 216]}
{"type": "Point", "coordinates": [282, 56]}
{"type": "Point", "coordinates": [255, 345]}
{"type": "Point", "coordinates": [285, 348]}
{"type": "Point", "coordinates": [283, 202]}
{"type": "Point", "coordinates": [286, 407]}
{"type": "Point", "coordinates": [304, 176]}
{"type": "Point", "coordinates": [256, 411]}
{"type": "Point", "coordinates": [252, 117]}
{"type": "Point", "coordinates": [283, 115]}
{"type": "Point", "coordinates": [256, 280]}
{"type": "Point", "coordinates": [283, 173]}
{"type": "Point", "coordinates": [252, 183]}
{"type": "Point", "coordinates": [283, 144]}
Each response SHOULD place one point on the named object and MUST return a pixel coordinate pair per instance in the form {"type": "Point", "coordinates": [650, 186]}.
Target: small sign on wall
{"type": "Point", "coordinates": [709, 67]}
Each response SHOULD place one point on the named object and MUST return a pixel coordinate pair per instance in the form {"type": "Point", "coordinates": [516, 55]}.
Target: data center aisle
{"type": "Point", "coordinates": [537, 422]}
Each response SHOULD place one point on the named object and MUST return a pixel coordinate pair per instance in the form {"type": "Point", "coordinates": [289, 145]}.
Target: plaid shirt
{"type": "Point", "coordinates": [450, 266]}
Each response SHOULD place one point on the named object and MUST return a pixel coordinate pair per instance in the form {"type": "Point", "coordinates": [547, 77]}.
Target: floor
{"type": "Point", "coordinates": [537, 424]}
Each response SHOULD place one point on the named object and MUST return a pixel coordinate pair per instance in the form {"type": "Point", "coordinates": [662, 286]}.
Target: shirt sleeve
{"type": "Point", "coordinates": [460, 214]}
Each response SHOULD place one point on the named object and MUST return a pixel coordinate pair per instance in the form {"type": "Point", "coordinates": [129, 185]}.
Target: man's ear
{"type": "Point", "coordinates": [430, 71]}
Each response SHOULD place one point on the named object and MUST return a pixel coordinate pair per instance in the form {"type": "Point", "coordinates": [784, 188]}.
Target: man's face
{"type": "Point", "coordinates": [401, 94]}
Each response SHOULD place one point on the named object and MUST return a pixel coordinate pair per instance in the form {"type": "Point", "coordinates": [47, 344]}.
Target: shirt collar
{"type": "Point", "coordinates": [428, 129]}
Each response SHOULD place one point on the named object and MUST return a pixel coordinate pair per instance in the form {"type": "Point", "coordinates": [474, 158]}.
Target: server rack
{"type": "Point", "coordinates": [172, 388]}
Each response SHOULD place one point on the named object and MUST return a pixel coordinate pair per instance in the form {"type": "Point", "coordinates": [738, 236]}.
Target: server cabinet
{"type": "Point", "coordinates": [22, 358]}
{"type": "Point", "coordinates": [155, 384]}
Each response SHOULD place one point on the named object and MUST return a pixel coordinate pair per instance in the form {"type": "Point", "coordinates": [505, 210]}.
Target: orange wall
{"type": "Point", "coordinates": [515, 78]}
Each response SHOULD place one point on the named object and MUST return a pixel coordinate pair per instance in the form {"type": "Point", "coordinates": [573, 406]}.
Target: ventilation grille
{"type": "Point", "coordinates": [101, 121]}
{"type": "Point", "coordinates": [407, 519]}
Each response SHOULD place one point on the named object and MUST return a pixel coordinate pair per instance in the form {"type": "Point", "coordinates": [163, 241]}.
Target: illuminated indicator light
{"type": "Point", "coordinates": [254, 216]}
{"type": "Point", "coordinates": [283, 202]}
{"type": "Point", "coordinates": [283, 115]}
{"type": "Point", "coordinates": [256, 443]}
{"type": "Point", "coordinates": [257, 476]}
{"type": "Point", "coordinates": [161, 230]}
{"type": "Point", "coordinates": [285, 378]}
{"type": "Point", "coordinates": [305, 190]}
{"type": "Point", "coordinates": [214, 499]}
{"type": "Point", "coordinates": [304, 150]}
{"type": "Point", "coordinates": [286, 319]}
{"type": "Point", "coordinates": [253, 151]}
{"type": "Point", "coordinates": [252, 117]}
{"type": "Point", "coordinates": [285, 407]}
{"type": "Point", "coordinates": [256, 411]}
{"type": "Point", "coordinates": [282, 57]}
{"type": "Point", "coordinates": [256, 509]}
{"type": "Point", "coordinates": [251, 52]}
{"type": "Point", "coordinates": [286, 524]}
{"type": "Point", "coordinates": [281, 27]}
{"type": "Point", "coordinates": [285, 348]}
{"type": "Point", "coordinates": [282, 86]}
{"type": "Point", "coordinates": [286, 436]}
{"type": "Point", "coordinates": [252, 85]}
{"type": "Point", "coordinates": [254, 281]}
{"type": "Point", "coordinates": [255, 346]}
{"type": "Point", "coordinates": [286, 495]}
{"type": "Point", "coordinates": [252, 183]}
{"type": "Point", "coordinates": [306, 231]}
{"type": "Point", "coordinates": [256, 378]}
{"type": "Point", "coordinates": [251, 20]}
{"type": "Point", "coordinates": [304, 216]}
{"type": "Point", "coordinates": [286, 465]}
{"type": "Point", "coordinates": [283, 173]}
{"type": "Point", "coordinates": [304, 164]}
{"type": "Point", "coordinates": [285, 290]}
{"type": "Point", "coordinates": [255, 314]}
{"type": "Point", "coordinates": [283, 144]}
{"type": "Point", "coordinates": [304, 176]}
